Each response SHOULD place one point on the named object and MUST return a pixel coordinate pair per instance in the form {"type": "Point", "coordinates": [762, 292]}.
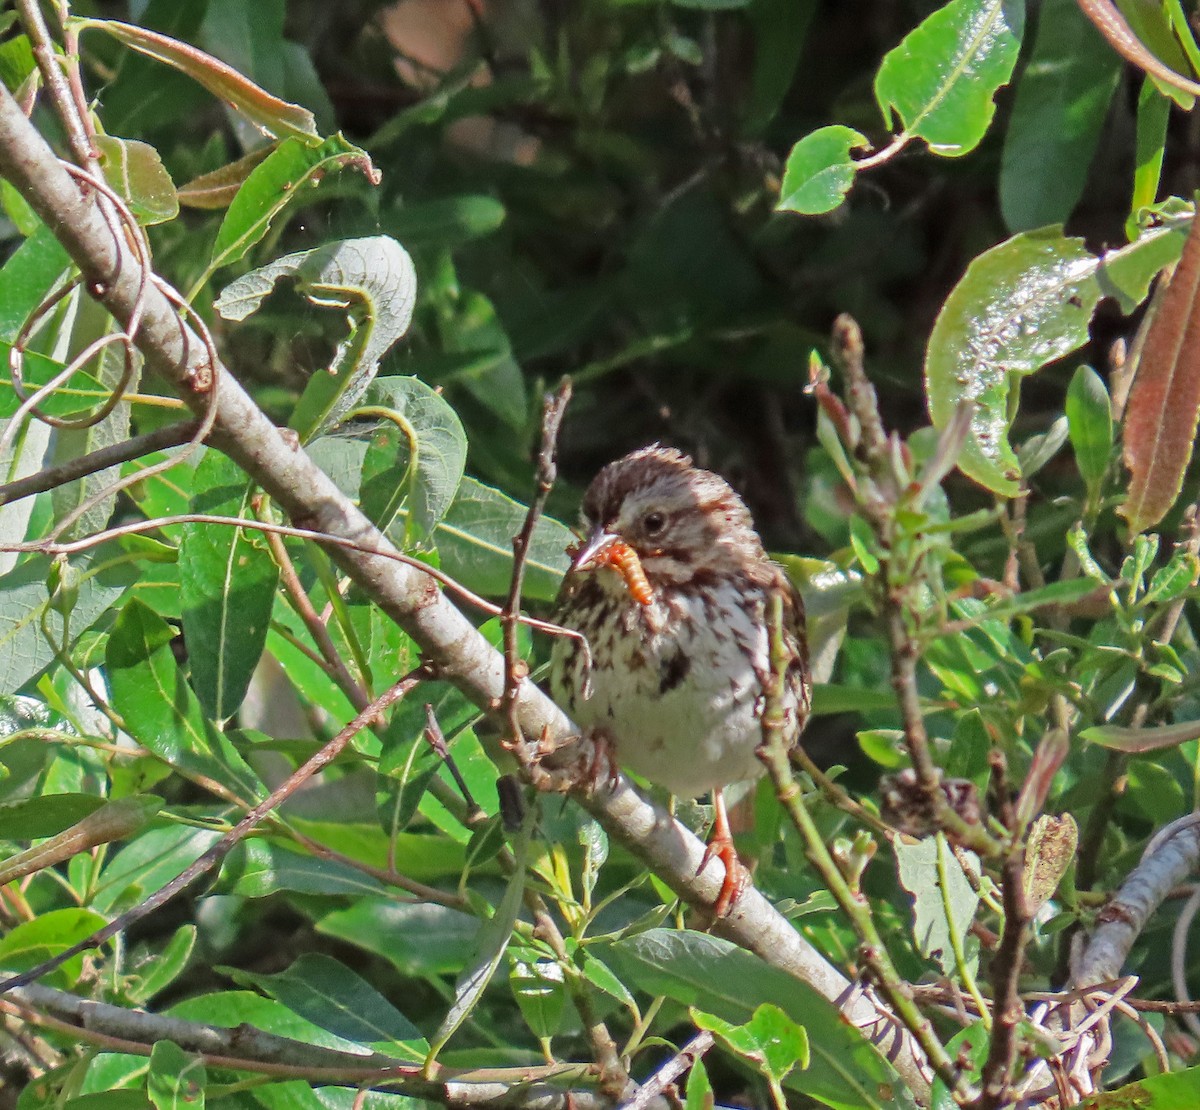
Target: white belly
{"type": "Point", "coordinates": [689, 731]}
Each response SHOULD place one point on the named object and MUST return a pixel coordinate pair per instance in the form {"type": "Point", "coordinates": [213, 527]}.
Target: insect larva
{"type": "Point", "coordinates": [625, 560]}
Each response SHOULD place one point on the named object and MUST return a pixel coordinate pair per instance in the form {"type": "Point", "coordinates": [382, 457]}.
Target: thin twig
{"type": "Point", "coordinates": [682, 1061]}
{"type": "Point", "coordinates": [218, 851]}
{"type": "Point", "coordinates": [73, 547]}
{"type": "Point", "coordinates": [169, 435]}
{"type": "Point", "coordinates": [554, 405]}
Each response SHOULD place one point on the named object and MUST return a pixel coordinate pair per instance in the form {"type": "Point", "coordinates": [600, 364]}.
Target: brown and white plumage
{"type": "Point", "coordinates": [676, 685]}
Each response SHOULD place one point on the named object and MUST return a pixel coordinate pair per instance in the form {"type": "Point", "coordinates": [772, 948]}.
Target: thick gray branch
{"type": "Point", "coordinates": [411, 598]}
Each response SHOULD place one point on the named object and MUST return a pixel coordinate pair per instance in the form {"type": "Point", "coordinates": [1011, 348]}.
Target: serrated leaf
{"type": "Point", "coordinates": [374, 280]}
{"type": "Point", "coordinates": [941, 79]}
{"type": "Point", "coordinates": [268, 113]}
{"type": "Point", "coordinates": [820, 171]}
{"type": "Point", "coordinates": [227, 581]}
{"type": "Point", "coordinates": [415, 459]}
{"type": "Point", "coordinates": [1019, 306]}
{"type": "Point", "coordinates": [1058, 113]}
{"type": "Point", "coordinates": [1161, 414]}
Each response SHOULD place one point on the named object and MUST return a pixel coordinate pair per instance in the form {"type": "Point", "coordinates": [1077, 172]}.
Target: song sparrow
{"type": "Point", "coordinates": [670, 587]}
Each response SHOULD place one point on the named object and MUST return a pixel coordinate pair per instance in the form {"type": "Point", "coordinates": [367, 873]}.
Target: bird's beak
{"type": "Point", "coordinates": [596, 543]}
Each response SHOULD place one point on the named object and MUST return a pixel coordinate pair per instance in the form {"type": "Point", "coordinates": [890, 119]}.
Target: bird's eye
{"type": "Point", "coordinates": [654, 523]}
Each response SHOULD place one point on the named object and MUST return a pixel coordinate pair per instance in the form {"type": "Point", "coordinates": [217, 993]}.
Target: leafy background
{"type": "Point", "coordinates": [610, 190]}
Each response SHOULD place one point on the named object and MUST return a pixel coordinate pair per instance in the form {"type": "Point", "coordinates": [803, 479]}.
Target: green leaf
{"type": "Point", "coordinates": [820, 170]}
{"type": "Point", "coordinates": [944, 901]}
{"type": "Point", "coordinates": [416, 459]}
{"type": "Point", "coordinates": [335, 998]}
{"type": "Point", "coordinates": [161, 970]}
{"type": "Point", "coordinates": [258, 869]}
{"type": "Point", "coordinates": [270, 114]}
{"type": "Point", "coordinates": [160, 710]}
{"type": "Point", "coordinates": [770, 1039]}
{"type": "Point", "coordinates": [294, 169]}
{"type": "Point", "coordinates": [1153, 114]}
{"type": "Point", "coordinates": [45, 815]}
{"type": "Point", "coordinates": [420, 940]}
{"type": "Point", "coordinates": [177, 1079]}
{"type": "Point", "coordinates": [699, 1089]}
{"type": "Point", "coordinates": [1177, 1090]}
{"type": "Point", "coordinates": [30, 943]}
{"type": "Point", "coordinates": [537, 985]}
{"type": "Point", "coordinates": [1089, 420]}
{"type": "Point", "coordinates": [474, 540]}
{"type": "Point", "coordinates": [25, 606]}
{"type": "Point", "coordinates": [715, 976]}
{"type": "Point", "coordinates": [147, 863]}
{"type": "Point", "coordinates": [136, 172]}
{"type": "Point", "coordinates": [1060, 107]}
{"type": "Point", "coordinates": [445, 223]}
{"type": "Point", "coordinates": [373, 279]}
{"type": "Point", "coordinates": [1019, 306]}
{"type": "Point", "coordinates": [490, 945]}
{"type": "Point", "coordinates": [227, 581]}
{"type": "Point", "coordinates": [781, 30]}
{"type": "Point", "coordinates": [941, 79]}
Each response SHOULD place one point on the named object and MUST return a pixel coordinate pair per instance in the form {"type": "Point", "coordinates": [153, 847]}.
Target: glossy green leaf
{"type": "Point", "coordinates": [1019, 306]}
{"type": "Point", "coordinates": [944, 900]}
{"type": "Point", "coordinates": [135, 171]}
{"type": "Point", "coordinates": [373, 280]}
{"type": "Point", "coordinates": [227, 581]}
{"type": "Point", "coordinates": [270, 114]}
{"type": "Point", "coordinates": [335, 998]}
{"type": "Point", "coordinates": [1089, 419]}
{"type": "Point", "coordinates": [30, 943]}
{"type": "Point", "coordinates": [416, 459]}
{"type": "Point", "coordinates": [699, 970]}
{"type": "Point", "coordinates": [1153, 114]}
{"type": "Point", "coordinates": [699, 1089]}
{"type": "Point", "coordinates": [177, 1079]}
{"type": "Point", "coordinates": [161, 712]}
{"type": "Point", "coordinates": [940, 81]}
{"type": "Point", "coordinates": [820, 171]}
{"type": "Point", "coordinates": [474, 540]}
{"type": "Point", "coordinates": [1060, 107]}
{"type": "Point", "coordinates": [294, 169]}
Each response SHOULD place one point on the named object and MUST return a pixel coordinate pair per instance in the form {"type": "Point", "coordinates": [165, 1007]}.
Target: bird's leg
{"type": "Point", "coordinates": [720, 845]}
